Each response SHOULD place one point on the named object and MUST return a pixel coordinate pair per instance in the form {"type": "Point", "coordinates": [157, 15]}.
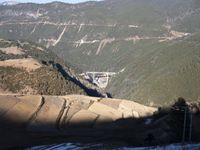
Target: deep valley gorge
{"type": "Point", "coordinates": [109, 36]}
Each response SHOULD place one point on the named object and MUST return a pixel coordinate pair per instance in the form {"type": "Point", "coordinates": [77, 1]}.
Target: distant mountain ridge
{"type": "Point", "coordinates": [9, 3]}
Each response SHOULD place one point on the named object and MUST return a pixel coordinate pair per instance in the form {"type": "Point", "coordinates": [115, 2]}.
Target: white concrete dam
{"type": "Point", "coordinates": [101, 79]}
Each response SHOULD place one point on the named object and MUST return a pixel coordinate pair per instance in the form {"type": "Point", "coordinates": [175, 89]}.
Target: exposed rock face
{"type": "Point", "coordinates": [32, 120]}
{"type": "Point", "coordinates": [49, 110]}
{"type": "Point", "coordinates": [66, 115]}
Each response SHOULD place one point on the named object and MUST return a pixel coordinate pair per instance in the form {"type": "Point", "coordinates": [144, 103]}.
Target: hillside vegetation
{"type": "Point", "coordinates": [45, 81]}
{"type": "Point", "coordinates": [27, 68]}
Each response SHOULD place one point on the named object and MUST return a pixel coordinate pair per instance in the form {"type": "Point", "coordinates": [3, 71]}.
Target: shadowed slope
{"type": "Point", "coordinates": [32, 120]}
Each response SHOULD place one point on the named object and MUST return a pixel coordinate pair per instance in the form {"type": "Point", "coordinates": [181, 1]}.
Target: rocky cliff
{"type": "Point", "coordinates": [28, 119]}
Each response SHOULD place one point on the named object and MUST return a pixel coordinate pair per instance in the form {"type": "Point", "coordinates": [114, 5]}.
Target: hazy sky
{"type": "Point", "coordinates": [45, 1]}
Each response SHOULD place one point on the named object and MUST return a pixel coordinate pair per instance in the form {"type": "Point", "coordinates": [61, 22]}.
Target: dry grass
{"type": "Point", "coordinates": [29, 64]}
{"type": "Point", "coordinates": [12, 50]}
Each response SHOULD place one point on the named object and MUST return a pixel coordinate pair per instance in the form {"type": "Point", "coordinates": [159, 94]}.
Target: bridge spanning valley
{"type": "Point", "coordinates": [101, 79]}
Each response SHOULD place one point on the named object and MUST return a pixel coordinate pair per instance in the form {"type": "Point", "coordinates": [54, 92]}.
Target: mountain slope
{"type": "Point", "coordinates": [153, 41]}
{"type": "Point", "coordinates": [172, 71]}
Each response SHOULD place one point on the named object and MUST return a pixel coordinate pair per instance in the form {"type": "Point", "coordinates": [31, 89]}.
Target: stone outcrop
{"type": "Point", "coordinates": [42, 111]}
{"type": "Point", "coordinates": [36, 119]}
{"type": "Point", "coordinates": [71, 115]}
